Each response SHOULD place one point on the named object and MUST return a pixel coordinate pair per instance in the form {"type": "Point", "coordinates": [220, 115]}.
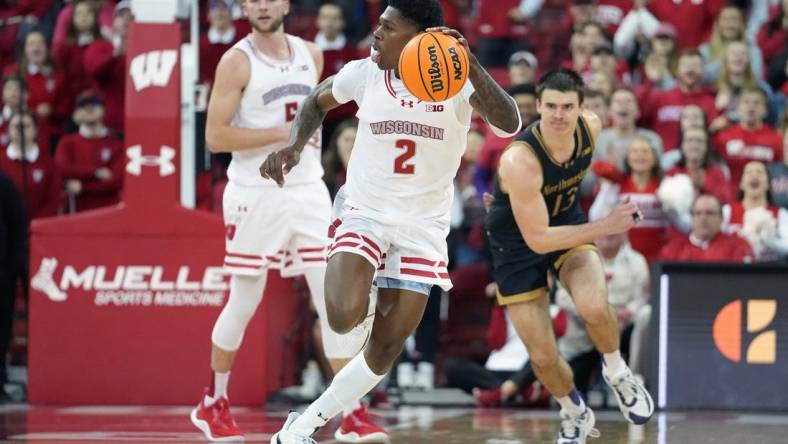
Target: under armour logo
{"type": "Point", "coordinates": [405, 103]}
{"type": "Point", "coordinates": [320, 415]}
{"type": "Point", "coordinates": [44, 282]}
{"type": "Point", "coordinates": [284, 69]}
{"type": "Point", "coordinates": [163, 160]}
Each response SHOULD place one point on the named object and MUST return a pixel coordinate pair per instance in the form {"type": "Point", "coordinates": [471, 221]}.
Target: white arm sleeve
{"type": "Point", "coordinates": [349, 82]}
{"type": "Point", "coordinates": [636, 21]}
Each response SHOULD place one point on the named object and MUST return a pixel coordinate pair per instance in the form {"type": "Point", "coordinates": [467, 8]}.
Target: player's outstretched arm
{"type": "Point", "coordinates": [308, 119]}
{"type": "Point", "coordinates": [521, 177]}
{"type": "Point", "coordinates": [490, 100]}
{"type": "Point", "coordinates": [232, 76]}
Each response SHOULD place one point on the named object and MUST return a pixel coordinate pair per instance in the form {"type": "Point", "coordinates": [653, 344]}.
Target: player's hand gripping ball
{"type": "Point", "coordinates": [434, 65]}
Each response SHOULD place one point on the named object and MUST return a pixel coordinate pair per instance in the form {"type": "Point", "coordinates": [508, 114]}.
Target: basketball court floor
{"type": "Point", "coordinates": [408, 425]}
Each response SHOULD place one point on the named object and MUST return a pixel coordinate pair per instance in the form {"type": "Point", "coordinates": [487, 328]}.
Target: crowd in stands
{"type": "Point", "coordinates": [692, 94]}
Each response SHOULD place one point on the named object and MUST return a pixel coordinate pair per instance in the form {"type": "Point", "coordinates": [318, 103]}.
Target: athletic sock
{"type": "Point", "coordinates": [614, 364]}
{"type": "Point", "coordinates": [350, 408]}
{"type": "Point", "coordinates": [572, 403]}
{"type": "Point", "coordinates": [349, 385]}
{"type": "Point", "coordinates": [219, 387]}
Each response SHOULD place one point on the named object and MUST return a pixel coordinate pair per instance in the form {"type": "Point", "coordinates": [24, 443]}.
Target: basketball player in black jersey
{"type": "Point", "coordinates": [535, 224]}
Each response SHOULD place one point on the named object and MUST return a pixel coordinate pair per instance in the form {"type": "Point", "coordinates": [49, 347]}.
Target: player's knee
{"type": "Point", "coordinates": [382, 354]}
{"type": "Point", "coordinates": [596, 314]}
{"type": "Point", "coordinates": [545, 360]}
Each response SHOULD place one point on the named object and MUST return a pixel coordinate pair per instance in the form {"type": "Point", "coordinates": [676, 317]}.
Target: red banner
{"type": "Point", "coordinates": [123, 299]}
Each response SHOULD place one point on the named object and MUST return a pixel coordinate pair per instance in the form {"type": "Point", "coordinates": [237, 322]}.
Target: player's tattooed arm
{"type": "Point", "coordinates": [491, 101]}
{"type": "Point", "coordinates": [311, 114]}
{"type": "Point", "coordinates": [308, 119]}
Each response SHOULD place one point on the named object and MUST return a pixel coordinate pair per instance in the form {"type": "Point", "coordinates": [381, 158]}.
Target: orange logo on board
{"type": "Point", "coordinates": [727, 331]}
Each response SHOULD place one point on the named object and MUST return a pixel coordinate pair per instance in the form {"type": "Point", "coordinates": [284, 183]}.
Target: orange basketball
{"type": "Point", "coordinates": [433, 66]}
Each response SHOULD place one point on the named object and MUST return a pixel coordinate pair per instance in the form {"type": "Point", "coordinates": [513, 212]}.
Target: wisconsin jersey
{"type": "Point", "coordinates": [406, 152]}
{"type": "Point", "coordinates": [271, 99]}
{"type": "Point", "coordinates": [560, 185]}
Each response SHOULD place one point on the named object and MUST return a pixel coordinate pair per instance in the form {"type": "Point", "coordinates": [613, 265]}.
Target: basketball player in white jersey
{"type": "Point", "coordinates": [394, 222]}
{"type": "Point", "coordinates": [260, 83]}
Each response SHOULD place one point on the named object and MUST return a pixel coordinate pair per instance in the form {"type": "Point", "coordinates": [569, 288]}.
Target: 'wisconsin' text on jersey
{"type": "Point", "coordinates": [406, 128]}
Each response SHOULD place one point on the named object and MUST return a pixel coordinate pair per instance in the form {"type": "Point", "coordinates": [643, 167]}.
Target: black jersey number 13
{"type": "Point", "coordinates": [564, 201]}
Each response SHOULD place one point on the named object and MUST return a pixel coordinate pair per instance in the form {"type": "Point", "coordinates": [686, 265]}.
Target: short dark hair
{"type": "Point", "coordinates": [522, 88]}
{"type": "Point", "coordinates": [19, 80]}
{"type": "Point", "coordinates": [564, 80]}
{"type": "Point", "coordinates": [424, 13]}
{"type": "Point", "coordinates": [707, 196]}
{"type": "Point", "coordinates": [593, 94]}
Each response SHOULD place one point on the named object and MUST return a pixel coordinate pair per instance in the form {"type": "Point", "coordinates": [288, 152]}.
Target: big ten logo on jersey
{"type": "Point", "coordinates": [729, 337]}
{"type": "Point", "coordinates": [434, 108]}
{"type": "Point", "coordinates": [153, 68]}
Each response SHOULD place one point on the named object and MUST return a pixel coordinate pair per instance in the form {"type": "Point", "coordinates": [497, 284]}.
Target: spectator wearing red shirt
{"type": "Point", "coordinates": [693, 19]}
{"type": "Point", "coordinates": [750, 139]}
{"type": "Point", "coordinates": [753, 193]}
{"type": "Point", "coordinates": [662, 109]}
{"type": "Point", "coordinates": [736, 76]}
{"type": "Point", "coordinates": [221, 36]}
{"type": "Point", "coordinates": [638, 184]}
{"type": "Point", "coordinates": [83, 30]}
{"type": "Point", "coordinates": [45, 85]}
{"type": "Point", "coordinates": [774, 33]}
{"type": "Point", "coordinates": [34, 173]}
{"type": "Point", "coordinates": [706, 241]}
{"type": "Point", "coordinates": [695, 162]}
{"type": "Point", "coordinates": [105, 62]}
{"type": "Point", "coordinates": [557, 48]}
{"type": "Point", "coordinates": [14, 99]}
{"type": "Point", "coordinates": [91, 161]}
{"type": "Point", "coordinates": [104, 10]}
{"type": "Point", "coordinates": [604, 60]}
{"type": "Point", "coordinates": [487, 161]}
{"type": "Point", "coordinates": [610, 13]}
{"type": "Point", "coordinates": [501, 31]}
{"type": "Point", "coordinates": [337, 51]}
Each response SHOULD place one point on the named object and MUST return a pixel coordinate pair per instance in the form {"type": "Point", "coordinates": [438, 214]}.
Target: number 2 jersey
{"type": "Point", "coordinates": [560, 185]}
{"type": "Point", "coordinates": [271, 99]}
{"type": "Point", "coordinates": [406, 151]}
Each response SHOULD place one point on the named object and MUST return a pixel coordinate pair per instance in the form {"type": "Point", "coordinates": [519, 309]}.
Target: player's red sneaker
{"type": "Point", "coordinates": [358, 428]}
{"type": "Point", "coordinates": [215, 420]}
{"type": "Point", "coordinates": [487, 397]}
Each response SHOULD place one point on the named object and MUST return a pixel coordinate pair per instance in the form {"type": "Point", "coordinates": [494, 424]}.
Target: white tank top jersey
{"type": "Point", "coordinates": [406, 152]}
{"type": "Point", "coordinates": [271, 99]}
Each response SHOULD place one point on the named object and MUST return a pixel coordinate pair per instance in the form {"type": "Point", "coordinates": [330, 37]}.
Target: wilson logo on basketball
{"type": "Point", "coordinates": [727, 331]}
{"type": "Point", "coordinates": [436, 83]}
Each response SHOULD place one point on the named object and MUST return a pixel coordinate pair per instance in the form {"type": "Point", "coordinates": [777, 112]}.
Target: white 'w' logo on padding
{"type": "Point", "coordinates": [153, 68]}
{"type": "Point", "coordinates": [163, 160]}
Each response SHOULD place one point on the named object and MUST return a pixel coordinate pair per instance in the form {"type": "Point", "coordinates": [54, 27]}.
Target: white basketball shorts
{"type": "Point", "coordinates": [276, 228]}
{"type": "Point", "coordinates": [411, 250]}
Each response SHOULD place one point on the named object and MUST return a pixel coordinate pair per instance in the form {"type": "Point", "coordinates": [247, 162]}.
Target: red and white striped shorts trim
{"type": "Point", "coordinates": [358, 244]}
{"type": "Point", "coordinates": [421, 267]}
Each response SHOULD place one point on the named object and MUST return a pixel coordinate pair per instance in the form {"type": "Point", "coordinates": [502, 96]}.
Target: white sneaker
{"type": "Point", "coordinates": [286, 436]}
{"type": "Point", "coordinates": [633, 399]}
{"type": "Point", "coordinates": [425, 376]}
{"type": "Point", "coordinates": [406, 376]}
{"type": "Point", "coordinates": [576, 428]}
